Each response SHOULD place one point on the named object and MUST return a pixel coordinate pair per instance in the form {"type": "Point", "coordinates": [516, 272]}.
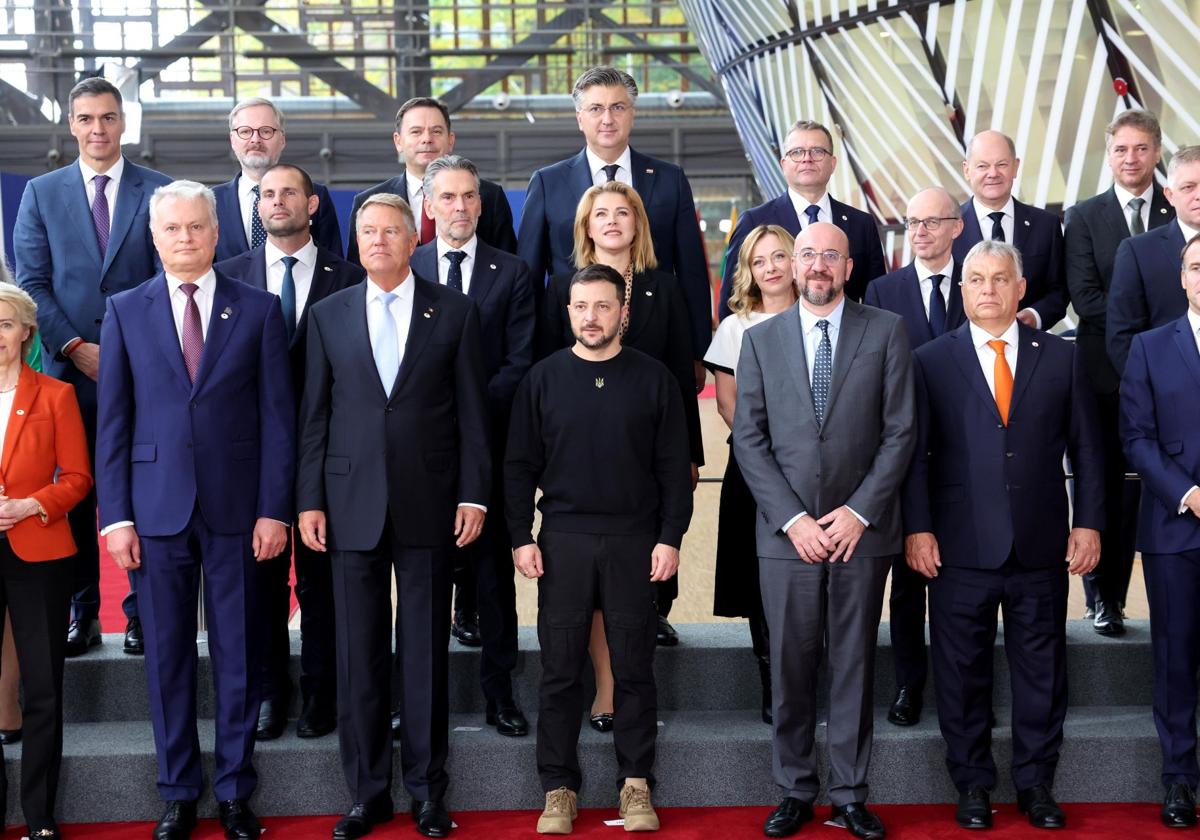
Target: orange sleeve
{"type": "Point", "coordinates": [71, 456]}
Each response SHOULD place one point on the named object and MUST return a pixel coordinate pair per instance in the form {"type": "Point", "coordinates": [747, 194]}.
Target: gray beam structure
{"type": "Point", "coordinates": [19, 108]}
{"type": "Point", "coordinates": [602, 21]}
{"type": "Point", "coordinates": [190, 39]}
{"type": "Point", "coordinates": [412, 60]}
{"type": "Point", "coordinates": [52, 20]}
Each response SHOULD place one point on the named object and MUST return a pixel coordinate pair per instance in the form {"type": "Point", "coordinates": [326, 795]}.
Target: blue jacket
{"type": "Point", "coordinates": [900, 292]}
{"type": "Point", "coordinates": [324, 224]}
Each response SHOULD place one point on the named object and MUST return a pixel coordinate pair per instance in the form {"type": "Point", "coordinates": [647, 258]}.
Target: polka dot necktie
{"type": "Point", "coordinates": [258, 235]}
{"type": "Point", "coordinates": [822, 372]}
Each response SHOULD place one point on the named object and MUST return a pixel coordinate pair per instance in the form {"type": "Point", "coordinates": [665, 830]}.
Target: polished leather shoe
{"type": "Point", "coordinates": [11, 736]}
{"type": "Point", "coordinates": [177, 821]}
{"type": "Point", "coordinates": [317, 718]}
{"type": "Point", "coordinates": [135, 643]}
{"type": "Point", "coordinates": [1108, 621]}
{"type": "Point", "coordinates": [272, 720]}
{"type": "Point", "coordinates": [362, 817]}
{"type": "Point", "coordinates": [906, 708]}
{"type": "Point", "coordinates": [465, 628]}
{"type": "Point", "coordinates": [507, 718]}
{"type": "Point", "coordinates": [974, 809]}
{"type": "Point", "coordinates": [238, 820]}
{"type": "Point", "coordinates": [666, 635]}
{"type": "Point", "coordinates": [602, 722]}
{"type": "Point", "coordinates": [1043, 812]}
{"type": "Point", "coordinates": [1179, 807]}
{"type": "Point", "coordinates": [46, 831]}
{"type": "Point", "coordinates": [788, 818]}
{"type": "Point", "coordinates": [395, 726]}
{"type": "Point", "coordinates": [82, 635]}
{"type": "Point", "coordinates": [859, 820]}
{"type": "Point", "coordinates": [431, 817]}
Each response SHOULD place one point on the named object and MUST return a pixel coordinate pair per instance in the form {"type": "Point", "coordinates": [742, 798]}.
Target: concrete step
{"type": "Point", "coordinates": [711, 670]}
{"type": "Point", "coordinates": [704, 758]}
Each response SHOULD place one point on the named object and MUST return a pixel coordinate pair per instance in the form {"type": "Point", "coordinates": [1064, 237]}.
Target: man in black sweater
{"type": "Point", "coordinates": [601, 430]}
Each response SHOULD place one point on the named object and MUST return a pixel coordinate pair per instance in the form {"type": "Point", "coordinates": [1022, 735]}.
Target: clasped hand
{"type": "Point", "coordinates": [832, 537]}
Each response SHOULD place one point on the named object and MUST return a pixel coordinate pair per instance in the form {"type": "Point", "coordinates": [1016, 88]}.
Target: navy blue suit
{"type": "Point", "coordinates": [194, 466]}
{"type": "Point", "coordinates": [1145, 291]}
{"type": "Point", "coordinates": [58, 262]}
{"type": "Point", "coordinates": [994, 496]}
{"type": "Point", "coordinates": [900, 292]}
{"type": "Point", "coordinates": [546, 239]}
{"type": "Point", "coordinates": [324, 224]}
{"type": "Point", "coordinates": [1160, 400]}
{"type": "Point", "coordinates": [314, 582]}
{"type": "Point", "coordinates": [499, 285]}
{"type": "Point", "coordinates": [865, 247]}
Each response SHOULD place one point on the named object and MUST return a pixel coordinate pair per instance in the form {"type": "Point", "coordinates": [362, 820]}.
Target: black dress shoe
{"type": "Point", "coordinates": [1041, 808]}
{"type": "Point", "coordinates": [177, 821]}
{"type": "Point", "coordinates": [362, 817]}
{"type": "Point", "coordinates": [82, 635]}
{"type": "Point", "coordinates": [44, 831]}
{"type": "Point", "coordinates": [135, 643]}
{"type": "Point", "coordinates": [465, 628]}
{"type": "Point", "coordinates": [507, 718]}
{"type": "Point", "coordinates": [859, 820]}
{"type": "Point", "coordinates": [602, 722]}
{"type": "Point", "coordinates": [317, 718]}
{"type": "Point", "coordinates": [787, 819]}
{"type": "Point", "coordinates": [272, 720]}
{"type": "Point", "coordinates": [11, 736]}
{"type": "Point", "coordinates": [1179, 807]}
{"type": "Point", "coordinates": [431, 817]}
{"type": "Point", "coordinates": [238, 820]}
{"type": "Point", "coordinates": [666, 635]}
{"type": "Point", "coordinates": [906, 708]}
{"type": "Point", "coordinates": [1108, 620]}
{"type": "Point", "coordinates": [974, 809]}
{"type": "Point", "coordinates": [395, 726]}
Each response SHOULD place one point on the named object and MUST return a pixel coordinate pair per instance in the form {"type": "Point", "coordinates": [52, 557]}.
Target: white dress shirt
{"type": "Point", "coordinates": [801, 204]}
{"type": "Point", "coordinates": [110, 189]}
{"type": "Point", "coordinates": [1188, 232]}
{"type": "Point", "coordinates": [599, 176]}
{"type": "Point", "coordinates": [1124, 196]}
{"type": "Point", "coordinates": [203, 297]}
{"type": "Point", "coordinates": [1194, 322]}
{"type": "Point", "coordinates": [1008, 223]}
{"type": "Point", "coordinates": [401, 308]}
{"type": "Point", "coordinates": [302, 272]}
{"type": "Point", "coordinates": [923, 275]}
{"type": "Point", "coordinates": [245, 189]}
{"type": "Point", "coordinates": [468, 264]}
{"type": "Point", "coordinates": [987, 356]}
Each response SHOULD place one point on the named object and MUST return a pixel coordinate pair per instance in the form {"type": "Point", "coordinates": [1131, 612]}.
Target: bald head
{"type": "Point", "coordinates": [934, 221]}
{"type": "Point", "coordinates": [991, 168]}
{"type": "Point", "coordinates": [821, 265]}
{"type": "Point", "coordinates": [821, 232]}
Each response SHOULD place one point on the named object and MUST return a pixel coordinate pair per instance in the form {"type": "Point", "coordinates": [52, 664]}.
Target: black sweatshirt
{"type": "Point", "coordinates": [607, 443]}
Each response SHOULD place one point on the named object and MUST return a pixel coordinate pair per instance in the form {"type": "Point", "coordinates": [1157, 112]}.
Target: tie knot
{"type": "Point", "coordinates": [101, 181]}
{"type": "Point", "coordinates": [813, 212]}
{"type": "Point", "coordinates": [1135, 204]}
{"type": "Point", "coordinates": [254, 190]}
{"type": "Point", "coordinates": [456, 257]}
{"type": "Point", "coordinates": [288, 262]}
{"type": "Point", "coordinates": [936, 280]}
{"type": "Point", "coordinates": [823, 325]}
{"type": "Point", "coordinates": [610, 171]}
{"type": "Point", "coordinates": [386, 298]}
{"type": "Point", "coordinates": [998, 346]}
{"type": "Point", "coordinates": [997, 217]}
{"type": "Point", "coordinates": [189, 289]}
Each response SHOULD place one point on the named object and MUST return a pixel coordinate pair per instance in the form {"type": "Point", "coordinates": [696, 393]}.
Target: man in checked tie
{"type": "Point", "coordinates": [196, 450]}
{"type": "Point", "coordinates": [987, 520]}
{"type": "Point", "coordinates": [823, 432]}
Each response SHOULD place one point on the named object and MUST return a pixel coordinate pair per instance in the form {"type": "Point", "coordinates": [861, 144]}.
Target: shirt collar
{"type": "Point", "coordinates": [980, 337]}
{"type": "Point", "coordinates": [1188, 232]}
{"type": "Point", "coordinates": [306, 255]}
{"type": "Point", "coordinates": [1124, 195]}
{"type": "Point", "coordinates": [403, 291]}
{"type": "Point", "coordinates": [1194, 320]}
{"type": "Point", "coordinates": [924, 273]}
{"type": "Point", "coordinates": [802, 203]}
{"type": "Point", "coordinates": [207, 283]}
{"type": "Point", "coordinates": [443, 247]}
{"type": "Point", "coordinates": [595, 164]}
{"type": "Point", "coordinates": [808, 320]}
{"type": "Point", "coordinates": [981, 212]}
{"type": "Point", "coordinates": [245, 185]}
{"type": "Point", "coordinates": [413, 184]}
{"type": "Point", "coordinates": [114, 172]}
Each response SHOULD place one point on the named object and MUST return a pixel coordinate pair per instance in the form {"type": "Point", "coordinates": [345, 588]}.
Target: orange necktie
{"type": "Point", "coordinates": [1004, 380]}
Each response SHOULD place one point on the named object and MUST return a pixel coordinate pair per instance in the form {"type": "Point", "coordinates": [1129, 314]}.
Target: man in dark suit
{"type": "Point", "coordinates": [992, 213]}
{"type": "Point", "coordinates": [986, 519]}
{"type": "Point", "coordinates": [256, 133]}
{"type": "Point", "coordinates": [299, 272]}
{"type": "Point", "coordinates": [808, 163]}
{"type": "Point", "coordinates": [82, 233]}
{"type": "Point", "coordinates": [604, 109]}
{"type": "Point", "coordinates": [1095, 227]}
{"type": "Point", "coordinates": [196, 458]}
{"type": "Point", "coordinates": [1160, 400]}
{"type": "Point", "coordinates": [498, 283]}
{"type": "Point", "coordinates": [1144, 293]}
{"type": "Point", "coordinates": [395, 467]}
{"type": "Point", "coordinates": [926, 294]}
{"type": "Point", "coordinates": [423, 134]}
{"type": "Point", "coordinates": [814, 383]}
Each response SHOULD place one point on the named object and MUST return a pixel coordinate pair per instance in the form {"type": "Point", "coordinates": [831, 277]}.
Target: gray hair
{"type": "Point", "coordinates": [23, 305]}
{"type": "Point", "coordinates": [254, 102]}
{"type": "Point", "coordinates": [184, 191]}
{"type": "Point", "coordinates": [995, 248]}
{"type": "Point", "coordinates": [448, 163]}
{"type": "Point", "coordinates": [811, 125]}
{"type": "Point", "coordinates": [1184, 154]}
{"type": "Point", "coordinates": [1142, 120]}
{"type": "Point", "coordinates": [388, 200]}
{"type": "Point", "coordinates": [1012, 147]}
{"type": "Point", "coordinates": [604, 77]}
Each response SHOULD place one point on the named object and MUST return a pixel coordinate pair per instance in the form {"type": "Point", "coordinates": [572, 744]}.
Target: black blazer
{"type": "Point", "coordinates": [412, 455]}
{"type": "Point", "coordinates": [232, 232]}
{"type": "Point", "coordinates": [865, 247]}
{"type": "Point", "coordinates": [499, 287]}
{"type": "Point", "coordinates": [1145, 290]}
{"type": "Point", "coordinates": [1095, 228]}
{"type": "Point", "coordinates": [1037, 234]}
{"type": "Point", "coordinates": [495, 218]}
{"type": "Point", "coordinates": [900, 292]}
{"type": "Point", "coordinates": [331, 274]}
{"type": "Point", "coordinates": [658, 327]}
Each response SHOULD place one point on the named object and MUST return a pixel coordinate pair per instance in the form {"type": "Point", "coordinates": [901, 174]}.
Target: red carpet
{"type": "Point", "coordinates": [904, 822]}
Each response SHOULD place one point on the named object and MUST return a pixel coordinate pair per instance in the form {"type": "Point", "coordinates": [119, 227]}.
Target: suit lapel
{"type": "Point", "coordinates": [1020, 226]}
{"type": "Point", "coordinates": [1028, 355]}
{"type": "Point", "coordinates": [963, 350]}
{"type": "Point", "coordinates": [425, 314]}
{"type": "Point", "coordinates": [27, 391]}
{"type": "Point", "coordinates": [954, 306]}
{"type": "Point", "coordinates": [483, 275]}
{"type": "Point", "coordinates": [580, 178]}
{"type": "Point", "coordinates": [793, 350]}
{"type": "Point", "coordinates": [1114, 216]}
{"type": "Point", "coordinates": [74, 199]}
{"type": "Point", "coordinates": [642, 300]}
{"type": "Point", "coordinates": [221, 322]}
{"type": "Point", "coordinates": [644, 176]}
{"type": "Point", "coordinates": [785, 211]}
{"type": "Point", "coordinates": [230, 208]}
{"type": "Point", "coordinates": [1161, 212]}
{"type": "Point", "coordinates": [1186, 342]}
{"type": "Point", "coordinates": [851, 332]}
{"type": "Point", "coordinates": [971, 232]}
{"type": "Point", "coordinates": [910, 289]}
{"type": "Point", "coordinates": [130, 198]}
{"type": "Point", "coordinates": [355, 326]}
{"type": "Point", "coordinates": [255, 273]}
{"type": "Point", "coordinates": [162, 323]}
{"type": "Point", "coordinates": [322, 282]}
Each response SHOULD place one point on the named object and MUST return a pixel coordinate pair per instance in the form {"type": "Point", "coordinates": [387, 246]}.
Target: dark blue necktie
{"type": "Point", "coordinates": [937, 306]}
{"type": "Point", "coordinates": [822, 372]}
{"type": "Point", "coordinates": [454, 278]}
{"type": "Point", "coordinates": [610, 171]}
{"type": "Point", "coordinates": [287, 296]}
{"type": "Point", "coordinates": [258, 234]}
{"type": "Point", "coordinates": [812, 211]}
{"type": "Point", "coordinates": [997, 228]}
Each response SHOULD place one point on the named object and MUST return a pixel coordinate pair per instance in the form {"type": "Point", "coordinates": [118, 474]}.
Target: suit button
{"type": "Point", "coordinates": [99, 320]}
{"type": "Point", "coordinates": [1008, 454]}
{"type": "Point", "coordinates": [999, 425]}
{"type": "Point", "coordinates": [194, 405]}
{"type": "Point", "coordinates": [387, 410]}
{"type": "Point", "coordinates": [189, 444]}
{"type": "Point", "coordinates": [104, 289]}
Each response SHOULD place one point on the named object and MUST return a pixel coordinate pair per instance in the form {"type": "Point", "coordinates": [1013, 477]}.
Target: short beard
{"type": "Point", "coordinates": [258, 162]}
{"type": "Point", "coordinates": [820, 298]}
{"type": "Point", "coordinates": [600, 343]}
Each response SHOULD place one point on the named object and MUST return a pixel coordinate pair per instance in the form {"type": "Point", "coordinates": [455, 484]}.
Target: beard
{"type": "Point", "coordinates": [600, 343]}
{"type": "Point", "coordinates": [821, 298]}
{"type": "Point", "coordinates": [257, 161]}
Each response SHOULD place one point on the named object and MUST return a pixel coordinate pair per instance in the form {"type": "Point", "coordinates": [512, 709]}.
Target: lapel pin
{"type": "Point", "coordinates": [428, 313]}
{"type": "Point", "coordinates": [1035, 344]}
{"type": "Point", "coordinates": [492, 266]}
{"type": "Point", "coordinates": [225, 315]}
{"type": "Point", "coordinates": [844, 219]}
{"type": "Point", "coordinates": [20, 412]}
{"type": "Point", "coordinates": [649, 171]}
{"type": "Point", "coordinates": [327, 268]}
{"type": "Point", "coordinates": [1162, 210]}
{"type": "Point", "coordinates": [1026, 223]}
{"type": "Point", "coordinates": [649, 293]}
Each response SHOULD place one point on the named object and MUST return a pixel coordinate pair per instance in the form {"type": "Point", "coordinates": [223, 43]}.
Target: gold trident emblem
{"type": "Point", "coordinates": [599, 381]}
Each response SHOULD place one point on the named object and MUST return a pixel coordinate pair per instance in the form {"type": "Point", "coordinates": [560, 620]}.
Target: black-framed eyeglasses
{"type": "Point", "coordinates": [245, 132]}
{"type": "Point", "coordinates": [800, 153]}
{"type": "Point", "coordinates": [931, 224]}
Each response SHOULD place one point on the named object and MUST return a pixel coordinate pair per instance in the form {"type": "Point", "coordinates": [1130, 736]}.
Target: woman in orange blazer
{"type": "Point", "coordinates": [44, 473]}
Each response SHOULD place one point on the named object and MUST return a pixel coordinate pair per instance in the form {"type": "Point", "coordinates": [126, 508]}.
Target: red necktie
{"type": "Point", "coordinates": [428, 231]}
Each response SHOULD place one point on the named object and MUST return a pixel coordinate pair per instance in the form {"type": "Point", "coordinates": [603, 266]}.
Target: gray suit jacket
{"type": "Point", "coordinates": [858, 457]}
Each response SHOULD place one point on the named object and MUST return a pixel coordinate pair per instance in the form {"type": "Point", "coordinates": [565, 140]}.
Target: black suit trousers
{"type": "Point", "coordinates": [1110, 578]}
{"type": "Point", "coordinates": [906, 610]}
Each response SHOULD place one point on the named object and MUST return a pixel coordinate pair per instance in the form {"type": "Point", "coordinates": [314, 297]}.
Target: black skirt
{"type": "Point", "coordinates": [735, 589]}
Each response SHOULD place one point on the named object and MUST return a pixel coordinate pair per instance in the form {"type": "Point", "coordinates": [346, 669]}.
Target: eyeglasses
{"type": "Point", "coordinates": [977, 281]}
{"type": "Point", "coordinates": [808, 256]}
{"type": "Point", "coordinates": [245, 132]}
{"type": "Point", "coordinates": [799, 153]}
{"type": "Point", "coordinates": [931, 224]}
{"type": "Point", "coordinates": [617, 109]}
